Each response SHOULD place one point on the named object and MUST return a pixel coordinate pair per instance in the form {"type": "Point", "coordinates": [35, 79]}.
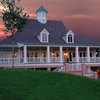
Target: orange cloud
{"type": "Point", "coordinates": [79, 16]}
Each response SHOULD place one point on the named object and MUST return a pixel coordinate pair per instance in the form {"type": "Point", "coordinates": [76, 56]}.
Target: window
{"type": "Point", "coordinates": [44, 37]}
{"type": "Point", "coordinates": [69, 37]}
{"type": "Point", "coordinates": [36, 54]}
{"type": "Point", "coordinates": [74, 54]}
{"type": "Point", "coordinates": [44, 54]}
{"type": "Point", "coordinates": [80, 54]}
{"type": "Point", "coordinates": [91, 54]}
{"type": "Point", "coordinates": [84, 54]}
{"type": "Point", "coordinates": [70, 40]}
{"type": "Point", "coordinates": [57, 54]}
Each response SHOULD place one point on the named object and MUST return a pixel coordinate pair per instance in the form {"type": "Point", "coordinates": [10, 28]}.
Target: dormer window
{"type": "Point", "coordinates": [44, 36]}
{"type": "Point", "coordinates": [70, 37]}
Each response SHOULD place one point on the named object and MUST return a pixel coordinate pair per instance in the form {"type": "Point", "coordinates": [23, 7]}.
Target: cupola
{"type": "Point", "coordinates": [42, 15]}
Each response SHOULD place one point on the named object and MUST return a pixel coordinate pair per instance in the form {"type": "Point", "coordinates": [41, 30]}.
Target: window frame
{"type": "Point", "coordinates": [70, 37]}
{"type": "Point", "coordinates": [44, 36]}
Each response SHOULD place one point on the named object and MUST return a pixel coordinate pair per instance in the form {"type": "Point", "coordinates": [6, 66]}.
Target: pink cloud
{"type": "Point", "coordinates": [83, 17]}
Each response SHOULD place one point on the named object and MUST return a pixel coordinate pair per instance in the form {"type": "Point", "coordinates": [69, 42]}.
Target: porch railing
{"type": "Point", "coordinates": [42, 60]}
{"type": "Point", "coordinates": [74, 67]}
{"type": "Point", "coordinates": [85, 59]}
{"type": "Point", "coordinates": [35, 60]}
{"type": "Point", "coordinates": [95, 59]}
{"type": "Point", "coordinates": [39, 60]}
{"type": "Point", "coordinates": [8, 61]}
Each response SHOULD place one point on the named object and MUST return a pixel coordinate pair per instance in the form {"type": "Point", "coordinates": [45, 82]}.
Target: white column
{"type": "Point", "coordinates": [48, 54]}
{"type": "Point", "coordinates": [25, 54]}
{"type": "Point", "coordinates": [94, 53]}
{"type": "Point", "coordinates": [88, 54]}
{"type": "Point", "coordinates": [77, 54]}
{"type": "Point", "coordinates": [61, 55]}
{"type": "Point", "coordinates": [18, 55]}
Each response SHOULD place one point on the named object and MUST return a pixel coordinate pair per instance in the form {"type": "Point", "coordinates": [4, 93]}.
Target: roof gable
{"type": "Point", "coordinates": [44, 31]}
{"type": "Point", "coordinates": [70, 32]}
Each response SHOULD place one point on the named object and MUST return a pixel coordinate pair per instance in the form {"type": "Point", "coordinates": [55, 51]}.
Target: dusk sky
{"type": "Point", "coordinates": [81, 16]}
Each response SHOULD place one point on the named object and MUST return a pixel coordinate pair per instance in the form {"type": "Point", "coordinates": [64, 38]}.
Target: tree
{"type": "Point", "coordinates": [14, 20]}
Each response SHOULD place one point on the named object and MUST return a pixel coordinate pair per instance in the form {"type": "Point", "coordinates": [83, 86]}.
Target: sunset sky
{"type": "Point", "coordinates": [81, 16]}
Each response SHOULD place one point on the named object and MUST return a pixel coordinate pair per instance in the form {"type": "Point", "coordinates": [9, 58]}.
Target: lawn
{"type": "Point", "coordinates": [42, 85]}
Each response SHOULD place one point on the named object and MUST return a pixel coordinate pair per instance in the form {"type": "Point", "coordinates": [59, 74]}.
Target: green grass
{"type": "Point", "coordinates": [42, 85]}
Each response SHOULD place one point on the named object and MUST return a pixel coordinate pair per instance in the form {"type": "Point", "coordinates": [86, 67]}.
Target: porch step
{"type": "Point", "coordinates": [59, 69]}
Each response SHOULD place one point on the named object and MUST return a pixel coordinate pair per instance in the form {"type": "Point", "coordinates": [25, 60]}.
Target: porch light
{"type": "Point", "coordinates": [52, 54]}
{"type": "Point", "coordinates": [14, 55]}
{"type": "Point", "coordinates": [65, 54]}
{"type": "Point", "coordinates": [71, 53]}
{"type": "Point", "coordinates": [96, 53]}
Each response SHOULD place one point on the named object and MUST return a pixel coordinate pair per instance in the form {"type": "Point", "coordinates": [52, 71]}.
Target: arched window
{"type": "Point", "coordinates": [44, 37]}
{"type": "Point", "coordinates": [70, 38]}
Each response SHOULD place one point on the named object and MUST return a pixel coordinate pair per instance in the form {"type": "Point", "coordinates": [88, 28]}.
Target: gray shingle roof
{"type": "Point", "coordinates": [42, 9]}
{"type": "Point", "coordinates": [56, 31]}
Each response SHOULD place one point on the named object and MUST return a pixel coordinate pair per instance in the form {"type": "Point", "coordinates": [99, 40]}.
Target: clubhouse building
{"type": "Point", "coordinates": [48, 44]}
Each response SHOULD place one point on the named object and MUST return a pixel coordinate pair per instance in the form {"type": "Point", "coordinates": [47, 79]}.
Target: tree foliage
{"type": "Point", "coordinates": [14, 19]}
{"type": "Point", "coordinates": [13, 16]}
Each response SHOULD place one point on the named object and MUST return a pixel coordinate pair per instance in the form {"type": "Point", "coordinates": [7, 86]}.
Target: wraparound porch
{"type": "Point", "coordinates": [51, 54]}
